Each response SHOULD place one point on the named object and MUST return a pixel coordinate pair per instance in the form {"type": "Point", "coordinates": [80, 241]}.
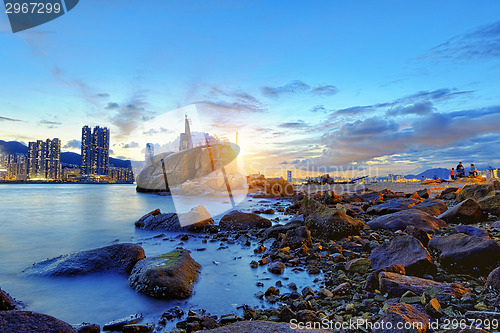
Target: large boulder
{"type": "Point", "coordinates": [493, 280]}
{"type": "Point", "coordinates": [402, 317]}
{"type": "Point", "coordinates": [119, 258]}
{"type": "Point", "coordinates": [193, 221]}
{"type": "Point", "coordinates": [243, 221]}
{"type": "Point", "coordinates": [459, 252]}
{"type": "Point", "coordinates": [169, 276]}
{"type": "Point", "coordinates": [328, 223]}
{"type": "Point", "coordinates": [6, 302]}
{"type": "Point", "coordinates": [491, 203]}
{"type": "Point", "coordinates": [471, 231]}
{"type": "Point", "coordinates": [478, 191]}
{"type": "Point", "coordinates": [393, 206]}
{"type": "Point", "coordinates": [466, 212]}
{"type": "Point", "coordinates": [396, 285]}
{"type": "Point", "coordinates": [295, 238]}
{"type": "Point", "coordinates": [411, 217]}
{"type": "Point", "coordinates": [450, 193]}
{"type": "Point", "coordinates": [433, 207]}
{"type": "Point", "coordinates": [406, 251]}
{"type": "Point", "coordinates": [32, 322]}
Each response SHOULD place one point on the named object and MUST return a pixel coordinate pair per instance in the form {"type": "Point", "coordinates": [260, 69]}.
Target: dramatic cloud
{"type": "Point", "coordinates": [112, 106]}
{"type": "Point", "coordinates": [298, 87]}
{"type": "Point", "coordinates": [132, 144]}
{"type": "Point", "coordinates": [224, 101]}
{"type": "Point", "coordinates": [73, 144]}
{"type": "Point", "coordinates": [299, 124]}
{"type": "Point", "coordinates": [8, 119]}
{"type": "Point", "coordinates": [319, 108]}
{"type": "Point", "coordinates": [49, 123]}
{"type": "Point", "coordinates": [417, 109]}
{"type": "Point", "coordinates": [483, 43]}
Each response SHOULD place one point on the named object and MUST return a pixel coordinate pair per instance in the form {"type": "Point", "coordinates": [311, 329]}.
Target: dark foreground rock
{"type": "Point", "coordinates": [119, 258]}
{"type": "Point", "coordinates": [478, 191]}
{"type": "Point", "coordinates": [396, 285]}
{"type": "Point", "coordinates": [406, 251]}
{"type": "Point", "coordinates": [32, 322]}
{"type": "Point", "coordinates": [118, 324]}
{"type": "Point", "coordinates": [243, 221]}
{"type": "Point", "coordinates": [411, 319]}
{"type": "Point", "coordinates": [411, 217]}
{"type": "Point", "coordinates": [258, 326]}
{"type": "Point", "coordinates": [466, 212]}
{"type": "Point", "coordinates": [459, 252]}
{"type": "Point", "coordinates": [328, 223]}
{"type": "Point", "coordinates": [295, 238]}
{"type": "Point", "coordinates": [493, 281]}
{"type": "Point", "coordinates": [393, 206]}
{"type": "Point", "coordinates": [169, 276]}
{"type": "Point", "coordinates": [6, 302]}
{"type": "Point", "coordinates": [193, 221]}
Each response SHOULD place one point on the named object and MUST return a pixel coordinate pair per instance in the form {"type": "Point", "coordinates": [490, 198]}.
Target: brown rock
{"type": "Point", "coordinates": [393, 206]}
{"type": "Point", "coordinates": [396, 285]}
{"type": "Point", "coordinates": [466, 212]}
{"type": "Point", "coordinates": [412, 319]}
{"type": "Point", "coordinates": [401, 220]}
{"type": "Point", "coordinates": [432, 207]}
{"type": "Point", "coordinates": [32, 322]}
{"type": "Point", "coordinates": [297, 237]}
{"type": "Point", "coordinates": [243, 221]}
{"type": "Point", "coordinates": [276, 267]}
{"type": "Point", "coordinates": [478, 191]}
{"type": "Point", "coordinates": [258, 326]}
{"type": "Point", "coordinates": [493, 281]}
{"type": "Point", "coordinates": [433, 309]}
{"type": "Point", "coordinates": [491, 203]}
{"type": "Point", "coordinates": [6, 302]}
{"type": "Point", "coordinates": [419, 234]}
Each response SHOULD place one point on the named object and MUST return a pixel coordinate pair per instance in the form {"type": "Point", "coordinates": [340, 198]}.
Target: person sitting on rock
{"type": "Point", "coordinates": [473, 171]}
{"type": "Point", "coordinates": [460, 170]}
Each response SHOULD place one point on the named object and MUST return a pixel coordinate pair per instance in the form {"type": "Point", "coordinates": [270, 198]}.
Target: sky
{"type": "Point", "coordinates": [372, 87]}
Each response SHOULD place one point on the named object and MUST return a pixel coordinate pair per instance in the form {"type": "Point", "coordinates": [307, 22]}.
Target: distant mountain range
{"type": "Point", "coordinates": [14, 147]}
{"type": "Point", "coordinates": [431, 173]}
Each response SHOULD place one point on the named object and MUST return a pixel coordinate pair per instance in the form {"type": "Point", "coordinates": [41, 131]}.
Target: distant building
{"type": "Point", "coordinates": [15, 165]}
{"type": "Point", "coordinates": [186, 140]}
{"type": "Point", "coordinates": [121, 175]}
{"type": "Point", "coordinates": [95, 151]}
{"type": "Point", "coordinates": [150, 152]}
{"type": "Point", "coordinates": [70, 174]}
{"type": "Point", "coordinates": [44, 159]}
{"type": "Point", "coordinates": [289, 176]}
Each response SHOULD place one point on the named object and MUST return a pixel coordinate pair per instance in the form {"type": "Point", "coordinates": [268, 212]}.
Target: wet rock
{"type": "Point", "coordinates": [478, 191]}
{"type": "Point", "coordinates": [432, 207]}
{"type": "Point", "coordinates": [332, 198]}
{"type": "Point", "coordinates": [328, 223]}
{"type": "Point", "coordinates": [493, 280]}
{"type": "Point", "coordinates": [258, 326]}
{"type": "Point", "coordinates": [491, 203]}
{"type": "Point", "coordinates": [401, 220]}
{"type": "Point", "coordinates": [433, 308]}
{"type": "Point", "coordinates": [138, 328]}
{"type": "Point", "coordinates": [297, 237]}
{"type": "Point", "coordinates": [119, 258]}
{"type": "Point", "coordinates": [466, 212]}
{"type": "Point", "coordinates": [87, 328]}
{"type": "Point", "coordinates": [305, 316]}
{"type": "Point", "coordinates": [193, 221]}
{"type": "Point", "coordinates": [421, 235]}
{"type": "Point", "coordinates": [495, 225]}
{"type": "Point", "coordinates": [169, 276]}
{"type": "Point", "coordinates": [359, 265]}
{"type": "Point", "coordinates": [402, 314]}
{"type": "Point", "coordinates": [393, 206]}
{"type": "Point", "coordinates": [243, 221]}
{"type": "Point", "coordinates": [471, 231]}
{"type": "Point", "coordinates": [460, 252]}
{"type": "Point", "coordinates": [396, 285]}
{"type": "Point", "coordinates": [276, 267]}
{"type": "Point", "coordinates": [277, 229]}
{"type": "Point", "coordinates": [117, 325]}
{"type": "Point", "coordinates": [170, 314]}
{"type": "Point", "coordinates": [424, 193]}
{"type": "Point", "coordinates": [406, 251]}
{"type": "Point", "coordinates": [6, 302]}
{"type": "Point", "coordinates": [32, 322]}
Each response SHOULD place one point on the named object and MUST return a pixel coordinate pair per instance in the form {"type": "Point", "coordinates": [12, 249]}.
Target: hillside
{"type": "Point", "coordinates": [431, 173]}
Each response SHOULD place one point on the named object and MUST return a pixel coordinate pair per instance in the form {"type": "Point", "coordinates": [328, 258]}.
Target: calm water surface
{"type": "Point", "coordinates": [40, 221]}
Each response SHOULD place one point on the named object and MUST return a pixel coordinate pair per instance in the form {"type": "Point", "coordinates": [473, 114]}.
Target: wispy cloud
{"type": "Point", "coordinates": [127, 116]}
{"type": "Point", "coordinates": [73, 144]}
{"type": "Point", "coordinates": [482, 43]}
{"type": "Point", "coordinates": [299, 124]}
{"type": "Point", "coordinates": [8, 119]}
{"type": "Point", "coordinates": [298, 87]}
{"type": "Point", "coordinates": [49, 123]}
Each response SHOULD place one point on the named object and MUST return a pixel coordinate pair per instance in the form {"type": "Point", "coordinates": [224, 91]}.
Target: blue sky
{"type": "Point", "coordinates": [395, 86]}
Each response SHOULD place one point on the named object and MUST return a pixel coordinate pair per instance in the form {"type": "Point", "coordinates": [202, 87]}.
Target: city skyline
{"type": "Point", "coordinates": [401, 87]}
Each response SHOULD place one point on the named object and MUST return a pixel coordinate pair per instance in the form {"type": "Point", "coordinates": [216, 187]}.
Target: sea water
{"type": "Point", "coordinates": [40, 221]}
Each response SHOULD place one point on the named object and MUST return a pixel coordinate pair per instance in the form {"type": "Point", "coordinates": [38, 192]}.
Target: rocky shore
{"type": "Point", "coordinates": [426, 257]}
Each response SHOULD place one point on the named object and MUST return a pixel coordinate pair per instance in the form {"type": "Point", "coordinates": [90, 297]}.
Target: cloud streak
{"type": "Point", "coordinates": [298, 87]}
{"type": "Point", "coordinates": [8, 119]}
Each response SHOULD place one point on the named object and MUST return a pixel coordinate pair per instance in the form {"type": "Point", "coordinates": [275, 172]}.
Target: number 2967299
{"type": "Point", "coordinates": [32, 8]}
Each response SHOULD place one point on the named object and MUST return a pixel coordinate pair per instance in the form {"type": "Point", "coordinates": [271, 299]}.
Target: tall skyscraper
{"type": "Point", "coordinates": [95, 151]}
{"type": "Point", "coordinates": [44, 159]}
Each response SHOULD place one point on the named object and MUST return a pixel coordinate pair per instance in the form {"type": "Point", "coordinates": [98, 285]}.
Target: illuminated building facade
{"type": "Point", "coordinates": [44, 159]}
{"type": "Point", "coordinates": [95, 151]}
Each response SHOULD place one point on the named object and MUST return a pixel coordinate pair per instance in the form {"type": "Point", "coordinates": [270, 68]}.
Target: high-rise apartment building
{"type": "Point", "coordinates": [95, 151]}
{"type": "Point", "coordinates": [44, 159]}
